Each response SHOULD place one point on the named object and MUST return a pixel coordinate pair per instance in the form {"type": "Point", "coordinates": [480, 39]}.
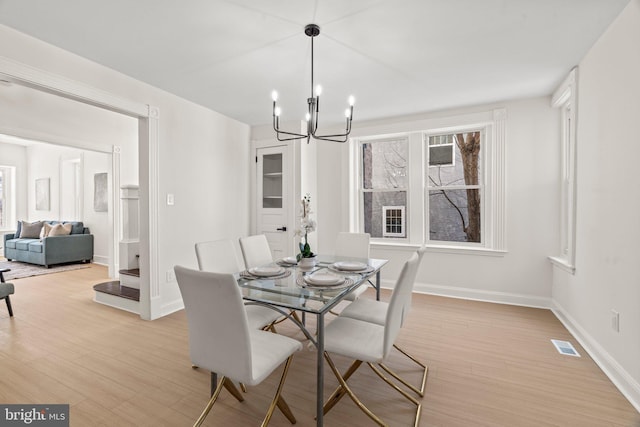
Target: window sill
{"type": "Point", "coordinates": [456, 250]}
{"type": "Point", "coordinates": [562, 264]}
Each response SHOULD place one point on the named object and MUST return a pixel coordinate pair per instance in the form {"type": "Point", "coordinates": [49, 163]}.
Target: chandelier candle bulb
{"type": "Point", "coordinates": [352, 100]}
{"type": "Point", "coordinates": [318, 90]}
{"type": "Point", "coordinates": [274, 96]}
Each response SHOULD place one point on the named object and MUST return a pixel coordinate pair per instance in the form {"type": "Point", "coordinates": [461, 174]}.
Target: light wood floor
{"type": "Point", "coordinates": [489, 365]}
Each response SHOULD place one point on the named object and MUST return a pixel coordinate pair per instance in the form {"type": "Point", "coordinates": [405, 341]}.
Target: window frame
{"type": "Point", "coordinates": [564, 99]}
{"type": "Point", "coordinates": [494, 165]}
{"type": "Point", "coordinates": [480, 186]}
{"type": "Point", "coordinates": [361, 190]}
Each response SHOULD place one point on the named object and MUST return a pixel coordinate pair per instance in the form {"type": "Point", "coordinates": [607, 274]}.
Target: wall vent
{"type": "Point", "coordinates": [565, 347]}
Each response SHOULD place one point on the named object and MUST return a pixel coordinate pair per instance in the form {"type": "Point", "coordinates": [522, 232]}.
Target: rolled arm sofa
{"type": "Point", "coordinates": [75, 247]}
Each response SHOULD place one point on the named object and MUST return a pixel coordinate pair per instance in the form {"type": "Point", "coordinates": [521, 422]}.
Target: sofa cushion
{"type": "Point", "coordinates": [11, 244]}
{"type": "Point", "coordinates": [23, 244]}
{"type": "Point", "coordinates": [60, 230]}
{"type": "Point", "coordinates": [77, 227]}
{"type": "Point", "coordinates": [35, 246]}
{"type": "Point", "coordinates": [30, 230]}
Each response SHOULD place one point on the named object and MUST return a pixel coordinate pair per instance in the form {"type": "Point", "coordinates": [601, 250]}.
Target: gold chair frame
{"type": "Point", "coordinates": [344, 388]}
{"type": "Point", "coordinates": [277, 401]}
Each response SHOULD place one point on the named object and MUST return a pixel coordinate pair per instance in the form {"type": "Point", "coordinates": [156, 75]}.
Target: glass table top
{"type": "Point", "coordinates": [291, 289]}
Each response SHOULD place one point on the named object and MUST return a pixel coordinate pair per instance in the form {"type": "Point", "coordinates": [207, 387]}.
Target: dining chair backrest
{"type": "Point", "coordinates": [407, 305]}
{"type": "Point", "coordinates": [218, 256]}
{"type": "Point", "coordinates": [255, 251]}
{"type": "Point", "coordinates": [399, 303]}
{"type": "Point", "coordinates": [218, 330]}
{"type": "Point", "coordinates": [352, 245]}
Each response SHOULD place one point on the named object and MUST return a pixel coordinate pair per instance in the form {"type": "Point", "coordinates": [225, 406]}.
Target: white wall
{"type": "Point", "coordinates": [608, 231]}
{"type": "Point", "coordinates": [43, 161]}
{"type": "Point", "coordinates": [203, 158]}
{"type": "Point", "coordinates": [16, 155]}
{"type": "Point", "coordinates": [523, 274]}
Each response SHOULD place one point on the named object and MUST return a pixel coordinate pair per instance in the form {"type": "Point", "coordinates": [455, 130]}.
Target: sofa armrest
{"type": "Point", "coordinates": [8, 236]}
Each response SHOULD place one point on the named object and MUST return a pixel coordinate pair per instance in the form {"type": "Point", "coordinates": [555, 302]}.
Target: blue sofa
{"type": "Point", "coordinates": [75, 247]}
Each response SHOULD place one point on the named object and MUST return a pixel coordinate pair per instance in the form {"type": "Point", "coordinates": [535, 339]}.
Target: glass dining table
{"type": "Point", "coordinates": [310, 291]}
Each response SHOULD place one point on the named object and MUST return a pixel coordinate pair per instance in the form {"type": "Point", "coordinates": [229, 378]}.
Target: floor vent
{"type": "Point", "coordinates": [565, 347]}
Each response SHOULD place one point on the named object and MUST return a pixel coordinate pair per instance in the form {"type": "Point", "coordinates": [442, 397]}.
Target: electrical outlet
{"type": "Point", "coordinates": [615, 321]}
{"type": "Point", "coordinates": [171, 275]}
{"type": "Point", "coordinates": [170, 199]}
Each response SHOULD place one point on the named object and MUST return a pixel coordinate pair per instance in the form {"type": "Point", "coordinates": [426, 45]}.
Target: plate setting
{"type": "Point", "coordinates": [288, 261]}
{"type": "Point", "coordinates": [323, 280]}
{"type": "Point", "coordinates": [350, 267]}
{"type": "Point", "coordinates": [268, 272]}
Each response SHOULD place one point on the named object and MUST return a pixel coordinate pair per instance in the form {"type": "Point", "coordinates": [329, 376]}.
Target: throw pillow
{"type": "Point", "coordinates": [46, 229]}
{"type": "Point", "coordinates": [60, 230]}
{"type": "Point", "coordinates": [30, 230]}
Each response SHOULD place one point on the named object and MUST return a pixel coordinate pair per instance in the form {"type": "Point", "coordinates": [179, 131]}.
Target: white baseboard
{"type": "Point", "coordinates": [101, 260]}
{"type": "Point", "coordinates": [481, 295]}
{"type": "Point", "coordinates": [611, 368]}
{"type": "Point", "coordinates": [172, 307]}
{"type": "Point", "coordinates": [629, 387]}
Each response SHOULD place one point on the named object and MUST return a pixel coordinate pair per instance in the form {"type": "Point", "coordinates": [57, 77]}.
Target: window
{"type": "Point", "coordinates": [384, 187]}
{"type": "Point", "coordinates": [7, 202]}
{"type": "Point", "coordinates": [565, 100]}
{"type": "Point", "coordinates": [454, 188]}
{"type": "Point", "coordinates": [441, 183]}
{"type": "Point", "coordinates": [393, 221]}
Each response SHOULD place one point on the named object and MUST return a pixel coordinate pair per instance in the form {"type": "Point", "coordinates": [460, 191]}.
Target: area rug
{"type": "Point", "coordinates": [21, 270]}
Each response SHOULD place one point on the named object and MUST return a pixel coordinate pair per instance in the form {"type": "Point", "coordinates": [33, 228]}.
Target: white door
{"type": "Point", "coordinates": [272, 198]}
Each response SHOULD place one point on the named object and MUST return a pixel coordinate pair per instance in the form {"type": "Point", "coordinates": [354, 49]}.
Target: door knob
{"type": "Point", "coordinates": [283, 228]}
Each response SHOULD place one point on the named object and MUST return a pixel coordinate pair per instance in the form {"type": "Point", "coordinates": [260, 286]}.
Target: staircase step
{"type": "Point", "coordinates": [115, 288]}
{"type": "Point", "coordinates": [131, 272]}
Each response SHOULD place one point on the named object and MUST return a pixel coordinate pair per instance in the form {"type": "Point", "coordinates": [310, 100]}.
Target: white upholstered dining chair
{"type": "Point", "coordinates": [219, 256]}
{"type": "Point", "coordinates": [353, 245]}
{"type": "Point", "coordinates": [373, 311]}
{"type": "Point", "coordinates": [221, 340]}
{"type": "Point", "coordinates": [371, 343]}
{"type": "Point", "coordinates": [255, 251]}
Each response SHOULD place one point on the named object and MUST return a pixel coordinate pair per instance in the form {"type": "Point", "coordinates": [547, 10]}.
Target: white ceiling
{"type": "Point", "coordinates": [396, 56]}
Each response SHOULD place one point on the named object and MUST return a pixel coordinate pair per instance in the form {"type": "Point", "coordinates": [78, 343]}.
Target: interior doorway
{"type": "Point", "coordinates": [147, 118]}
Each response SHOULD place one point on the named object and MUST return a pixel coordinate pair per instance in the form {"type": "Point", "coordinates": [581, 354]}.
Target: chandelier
{"type": "Point", "coordinates": [313, 102]}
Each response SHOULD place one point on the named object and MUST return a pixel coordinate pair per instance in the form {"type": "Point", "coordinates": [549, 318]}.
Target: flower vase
{"type": "Point", "coordinates": [308, 262]}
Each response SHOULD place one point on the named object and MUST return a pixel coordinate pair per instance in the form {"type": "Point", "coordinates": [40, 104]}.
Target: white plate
{"type": "Point", "coordinates": [324, 279]}
{"type": "Point", "coordinates": [350, 265]}
{"type": "Point", "coordinates": [290, 260]}
{"type": "Point", "coordinates": [266, 271]}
